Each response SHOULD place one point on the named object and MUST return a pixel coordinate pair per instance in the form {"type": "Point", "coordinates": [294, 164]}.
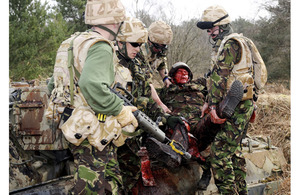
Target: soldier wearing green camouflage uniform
{"type": "Point", "coordinates": [154, 52]}
{"type": "Point", "coordinates": [228, 163]}
{"type": "Point", "coordinates": [132, 73]}
{"type": "Point", "coordinates": [186, 98]}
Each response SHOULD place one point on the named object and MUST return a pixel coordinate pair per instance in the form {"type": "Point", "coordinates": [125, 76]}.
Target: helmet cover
{"type": "Point", "coordinates": [104, 12]}
{"type": "Point", "coordinates": [133, 30]}
{"type": "Point", "coordinates": [160, 32]}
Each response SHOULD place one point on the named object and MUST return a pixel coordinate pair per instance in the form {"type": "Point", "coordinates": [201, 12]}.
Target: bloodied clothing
{"type": "Point", "coordinates": [226, 158]}
{"type": "Point", "coordinates": [186, 100]}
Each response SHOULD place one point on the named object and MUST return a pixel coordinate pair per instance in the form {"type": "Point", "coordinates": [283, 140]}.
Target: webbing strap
{"type": "Point", "coordinates": [133, 134]}
{"type": "Point", "coordinates": [70, 67]}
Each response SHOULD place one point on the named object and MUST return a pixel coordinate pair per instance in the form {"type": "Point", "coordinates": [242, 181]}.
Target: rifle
{"type": "Point", "coordinates": [148, 124]}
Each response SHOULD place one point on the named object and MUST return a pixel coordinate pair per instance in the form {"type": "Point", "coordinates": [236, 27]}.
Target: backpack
{"type": "Point", "coordinates": [260, 73]}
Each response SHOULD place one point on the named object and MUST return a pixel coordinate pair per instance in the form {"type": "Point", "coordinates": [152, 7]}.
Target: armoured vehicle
{"type": "Point", "coordinates": [40, 162]}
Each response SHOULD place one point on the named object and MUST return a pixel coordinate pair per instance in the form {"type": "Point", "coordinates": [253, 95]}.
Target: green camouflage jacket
{"type": "Point", "coordinates": [185, 101]}
{"type": "Point", "coordinates": [141, 89]}
{"type": "Point", "coordinates": [222, 66]}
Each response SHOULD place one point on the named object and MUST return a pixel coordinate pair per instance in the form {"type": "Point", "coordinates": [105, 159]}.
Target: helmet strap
{"type": "Point", "coordinates": [110, 31]}
{"type": "Point", "coordinates": [123, 50]}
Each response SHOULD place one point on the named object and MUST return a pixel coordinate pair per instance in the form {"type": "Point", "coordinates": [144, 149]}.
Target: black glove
{"type": "Point", "coordinates": [172, 121]}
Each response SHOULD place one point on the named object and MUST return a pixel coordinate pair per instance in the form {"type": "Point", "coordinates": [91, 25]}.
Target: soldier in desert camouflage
{"type": "Point", "coordinates": [84, 70]}
{"type": "Point", "coordinates": [154, 52]}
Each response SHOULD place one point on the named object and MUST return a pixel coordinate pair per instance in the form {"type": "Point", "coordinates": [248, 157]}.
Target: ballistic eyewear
{"type": "Point", "coordinates": [136, 44]}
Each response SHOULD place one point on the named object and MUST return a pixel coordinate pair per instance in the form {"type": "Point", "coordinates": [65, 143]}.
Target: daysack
{"type": "Point", "coordinates": [260, 73]}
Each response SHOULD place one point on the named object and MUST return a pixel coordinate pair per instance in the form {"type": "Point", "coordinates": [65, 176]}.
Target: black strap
{"type": "Point", "coordinates": [220, 19]}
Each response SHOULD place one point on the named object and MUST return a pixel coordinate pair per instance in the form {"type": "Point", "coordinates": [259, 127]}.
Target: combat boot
{"type": "Point", "coordinates": [205, 179]}
{"type": "Point", "coordinates": [164, 152]}
{"type": "Point", "coordinates": [206, 130]}
{"type": "Point", "coordinates": [231, 100]}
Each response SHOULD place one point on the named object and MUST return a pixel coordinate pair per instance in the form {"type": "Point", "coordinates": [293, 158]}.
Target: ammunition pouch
{"type": "Point", "coordinates": [83, 123]}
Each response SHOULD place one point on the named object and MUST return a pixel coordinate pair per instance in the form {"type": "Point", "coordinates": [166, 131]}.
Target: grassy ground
{"type": "Point", "coordinates": [274, 120]}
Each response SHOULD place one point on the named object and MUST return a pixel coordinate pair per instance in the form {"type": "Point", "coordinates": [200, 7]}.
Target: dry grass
{"type": "Point", "coordinates": [273, 119]}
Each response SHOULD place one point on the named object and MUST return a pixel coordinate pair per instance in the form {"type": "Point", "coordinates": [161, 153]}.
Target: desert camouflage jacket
{"type": "Point", "coordinates": [156, 62]}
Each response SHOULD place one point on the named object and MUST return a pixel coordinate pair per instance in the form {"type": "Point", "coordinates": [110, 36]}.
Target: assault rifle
{"type": "Point", "coordinates": [147, 123]}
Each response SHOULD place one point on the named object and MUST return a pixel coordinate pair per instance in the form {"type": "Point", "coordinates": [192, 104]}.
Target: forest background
{"type": "Point", "coordinates": [36, 29]}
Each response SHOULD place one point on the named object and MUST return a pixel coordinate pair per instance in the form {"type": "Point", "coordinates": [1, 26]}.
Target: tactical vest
{"type": "Point", "coordinates": [250, 70]}
{"type": "Point", "coordinates": [123, 75]}
{"type": "Point", "coordinates": [70, 60]}
{"type": "Point", "coordinates": [66, 74]}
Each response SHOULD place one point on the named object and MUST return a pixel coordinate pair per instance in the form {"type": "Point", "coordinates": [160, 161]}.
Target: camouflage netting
{"type": "Point", "coordinates": [273, 120]}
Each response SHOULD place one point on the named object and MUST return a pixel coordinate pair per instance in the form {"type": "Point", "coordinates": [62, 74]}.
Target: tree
{"type": "Point", "coordinates": [72, 12]}
{"type": "Point", "coordinates": [34, 36]}
{"type": "Point", "coordinates": [190, 45]}
{"type": "Point", "coordinates": [274, 38]}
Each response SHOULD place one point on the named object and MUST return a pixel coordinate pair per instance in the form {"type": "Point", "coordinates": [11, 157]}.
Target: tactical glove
{"type": "Point", "coordinates": [126, 117]}
{"type": "Point", "coordinates": [172, 121]}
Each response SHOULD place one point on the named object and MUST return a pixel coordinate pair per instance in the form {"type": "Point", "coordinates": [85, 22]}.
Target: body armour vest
{"type": "Point", "coordinates": [66, 74]}
{"type": "Point", "coordinates": [250, 70]}
{"type": "Point", "coordinates": [69, 64]}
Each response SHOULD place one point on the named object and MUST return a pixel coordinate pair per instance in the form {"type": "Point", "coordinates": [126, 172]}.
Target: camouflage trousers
{"type": "Point", "coordinates": [227, 161]}
{"type": "Point", "coordinates": [130, 163]}
{"type": "Point", "coordinates": [128, 158]}
{"type": "Point", "coordinates": [96, 172]}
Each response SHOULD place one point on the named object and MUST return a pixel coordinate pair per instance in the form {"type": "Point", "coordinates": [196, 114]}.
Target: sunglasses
{"type": "Point", "coordinates": [136, 44]}
{"type": "Point", "coordinates": [159, 46]}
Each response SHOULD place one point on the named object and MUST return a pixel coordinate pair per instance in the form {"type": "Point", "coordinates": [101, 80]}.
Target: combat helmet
{"type": "Point", "coordinates": [178, 65]}
{"type": "Point", "coordinates": [133, 30]}
{"type": "Point", "coordinates": [160, 32]}
{"type": "Point", "coordinates": [213, 16]}
{"type": "Point", "coordinates": [104, 12]}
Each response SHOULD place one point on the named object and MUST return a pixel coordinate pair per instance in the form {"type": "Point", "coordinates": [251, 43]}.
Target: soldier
{"type": "Point", "coordinates": [83, 72]}
{"type": "Point", "coordinates": [131, 73]}
{"type": "Point", "coordinates": [154, 51]}
{"type": "Point", "coordinates": [231, 60]}
{"type": "Point", "coordinates": [129, 42]}
{"type": "Point", "coordinates": [185, 97]}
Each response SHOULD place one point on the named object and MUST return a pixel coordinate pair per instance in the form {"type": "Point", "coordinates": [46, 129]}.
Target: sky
{"type": "Point", "coordinates": [188, 9]}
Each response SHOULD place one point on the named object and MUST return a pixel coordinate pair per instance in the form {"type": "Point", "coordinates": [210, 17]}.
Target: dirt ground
{"type": "Point", "coordinates": [273, 119]}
